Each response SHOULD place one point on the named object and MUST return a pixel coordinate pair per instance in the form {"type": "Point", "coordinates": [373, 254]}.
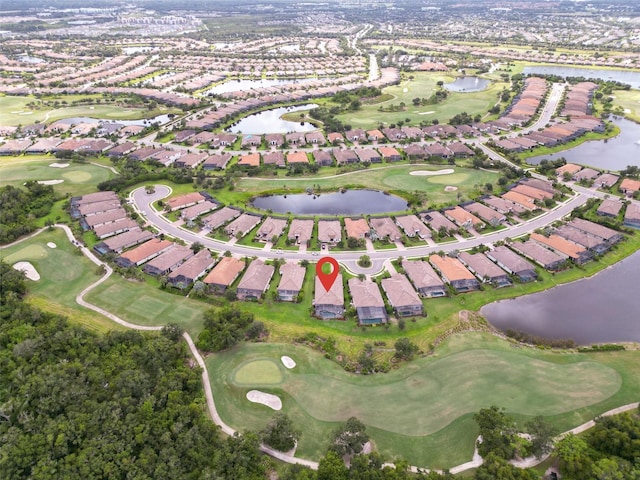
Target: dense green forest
{"type": "Point", "coordinates": [78, 405]}
{"type": "Point", "coordinates": [20, 207]}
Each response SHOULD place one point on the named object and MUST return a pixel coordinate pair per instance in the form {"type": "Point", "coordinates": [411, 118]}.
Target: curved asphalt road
{"type": "Point", "coordinates": [143, 204]}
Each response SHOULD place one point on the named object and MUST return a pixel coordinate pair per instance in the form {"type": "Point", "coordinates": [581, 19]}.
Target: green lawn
{"type": "Point", "coordinates": [423, 85]}
{"type": "Point", "coordinates": [15, 111]}
{"type": "Point", "coordinates": [422, 412]}
{"type": "Point", "coordinates": [386, 178]}
{"type": "Point", "coordinates": [144, 304]}
{"type": "Point", "coordinates": [63, 275]}
{"type": "Point", "coordinates": [629, 100]}
{"type": "Point", "coordinates": [78, 178]}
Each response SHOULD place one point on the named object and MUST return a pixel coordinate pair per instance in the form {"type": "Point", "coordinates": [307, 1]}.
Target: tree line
{"type": "Point", "coordinates": [21, 207]}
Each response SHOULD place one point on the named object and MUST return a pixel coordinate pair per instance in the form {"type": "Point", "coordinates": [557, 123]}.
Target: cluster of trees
{"type": "Point", "coordinates": [464, 119]}
{"type": "Point", "coordinates": [610, 450]}
{"type": "Point", "coordinates": [21, 207]}
{"type": "Point", "coordinates": [225, 327]}
{"type": "Point", "coordinates": [78, 405]}
{"type": "Point", "coordinates": [133, 172]}
{"type": "Point", "coordinates": [500, 443]}
{"type": "Point", "coordinates": [631, 171]}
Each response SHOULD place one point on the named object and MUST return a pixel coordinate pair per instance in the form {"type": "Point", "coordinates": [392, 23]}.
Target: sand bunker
{"type": "Point", "coordinates": [288, 362]}
{"type": "Point", "coordinates": [271, 401]}
{"type": "Point", "coordinates": [429, 173]}
{"type": "Point", "coordinates": [449, 188]}
{"type": "Point", "coordinates": [427, 113]}
{"type": "Point", "coordinates": [51, 245]}
{"type": "Point", "coordinates": [50, 182]}
{"type": "Point", "coordinates": [59, 165]}
{"type": "Point", "coordinates": [29, 270]}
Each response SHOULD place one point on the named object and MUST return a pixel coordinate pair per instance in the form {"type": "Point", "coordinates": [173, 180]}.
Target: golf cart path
{"type": "Point", "coordinates": [475, 462]}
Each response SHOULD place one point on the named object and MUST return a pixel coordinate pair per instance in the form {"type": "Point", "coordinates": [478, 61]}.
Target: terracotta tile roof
{"type": "Point", "coordinates": [225, 272]}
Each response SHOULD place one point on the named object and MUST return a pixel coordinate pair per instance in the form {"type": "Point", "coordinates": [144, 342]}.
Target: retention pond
{"type": "Point", "coordinates": [600, 309]}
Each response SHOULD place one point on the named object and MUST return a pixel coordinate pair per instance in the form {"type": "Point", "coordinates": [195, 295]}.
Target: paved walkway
{"type": "Point", "coordinates": [475, 462]}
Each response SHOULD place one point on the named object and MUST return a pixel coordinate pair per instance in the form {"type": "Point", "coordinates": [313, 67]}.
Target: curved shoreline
{"type": "Point", "coordinates": [208, 391]}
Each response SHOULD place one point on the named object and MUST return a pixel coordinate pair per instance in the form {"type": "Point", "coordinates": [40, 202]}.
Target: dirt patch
{"type": "Point", "coordinates": [271, 401]}
{"type": "Point", "coordinates": [29, 270]}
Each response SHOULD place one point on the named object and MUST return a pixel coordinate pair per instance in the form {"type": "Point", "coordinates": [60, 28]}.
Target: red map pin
{"type": "Point", "coordinates": [327, 279]}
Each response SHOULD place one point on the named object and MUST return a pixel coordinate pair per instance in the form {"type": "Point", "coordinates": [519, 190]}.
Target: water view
{"type": "Point", "coordinates": [351, 202]}
{"type": "Point", "coordinates": [613, 154]}
{"type": "Point", "coordinates": [600, 309]}
{"type": "Point", "coordinates": [629, 77]}
{"type": "Point", "coordinates": [30, 59]}
{"type": "Point", "coordinates": [269, 121]}
{"type": "Point", "coordinates": [467, 84]}
{"type": "Point", "coordinates": [161, 119]}
{"type": "Point", "coordinates": [242, 85]}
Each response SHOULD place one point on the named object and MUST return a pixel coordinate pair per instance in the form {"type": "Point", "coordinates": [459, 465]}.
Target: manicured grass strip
{"type": "Point", "coordinates": [388, 177]}
{"type": "Point", "coordinates": [423, 410]}
{"type": "Point", "coordinates": [78, 178]}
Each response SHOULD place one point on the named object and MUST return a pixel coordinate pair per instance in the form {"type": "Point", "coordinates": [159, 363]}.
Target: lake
{"type": "Point", "coordinates": [161, 119]}
{"type": "Point", "coordinates": [269, 121]}
{"type": "Point", "coordinates": [624, 76]}
{"type": "Point", "coordinates": [30, 59]}
{"type": "Point", "coordinates": [351, 202]}
{"type": "Point", "coordinates": [613, 154]}
{"type": "Point", "coordinates": [603, 308]}
{"type": "Point", "coordinates": [467, 84]}
{"type": "Point", "coordinates": [242, 85]}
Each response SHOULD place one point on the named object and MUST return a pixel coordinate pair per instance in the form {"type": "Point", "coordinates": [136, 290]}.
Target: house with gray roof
{"type": "Point", "coordinates": [609, 208]}
{"type": "Point", "coordinates": [547, 259]}
{"type": "Point", "coordinates": [220, 217]}
{"type": "Point", "coordinates": [402, 296]}
{"type": "Point", "coordinates": [242, 225]}
{"type": "Point", "coordinates": [413, 226]}
{"type": "Point", "coordinates": [424, 278]}
{"type": "Point", "coordinates": [168, 261]}
{"type": "Point", "coordinates": [191, 270]}
{"type": "Point", "coordinates": [300, 231]}
{"type": "Point", "coordinates": [437, 221]}
{"type": "Point", "coordinates": [385, 229]}
{"type": "Point", "coordinates": [114, 228]}
{"type": "Point", "coordinates": [329, 231]}
{"type": "Point", "coordinates": [513, 263]}
{"type": "Point", "coordinates": [329, 304]}
{"type": "Point", "coordinates": [484, 269]}
{"type": "Point", "coordinates": [610, 235]}
{"type": "Point", "coordinates": [272, 227]}
{"type": "Point", "coordinates": [368, 302]}
{"type": "Point", "coordinates": [632, 215]}
{"type": "Point", "coordinates": [291, 281]}
{"type": "Point", "coordinates": [489, 215]}
{"type": "Point", "coordinates": [595, 244]}
{"type": "Point", "coordinates": [255, 280]}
